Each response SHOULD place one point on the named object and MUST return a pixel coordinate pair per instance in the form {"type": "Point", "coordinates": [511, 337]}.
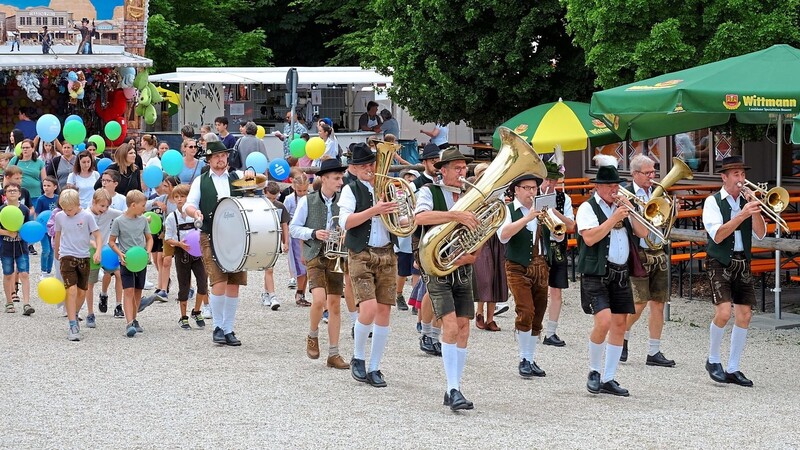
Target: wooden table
{"type": "Point", "coordinates": [480, 150]}
{"type": "Point", "coordinates": [694, 188]}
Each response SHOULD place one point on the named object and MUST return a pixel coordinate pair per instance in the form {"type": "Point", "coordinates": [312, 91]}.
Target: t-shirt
{"type": "Point", "coordinates": [24, 197]}
{"type": "Point", "coordinates": [15, 246]}
{"type": "Point", "coordinates": [28, 128]}
{"type": "Point", "coordinates": [104, 222]}
{"type": "Point", "coordinates": [85, 186]}
{"type": "Point", "coordinates": [119, 203]}
{"type": "Point", "coordinates": [391, 127]}
{"type": "Point", "coordinates": [229, 141]}
{"type": "Point", "coordinates": [188, 175]}
{"type": "Point", "coordinates": [31, 174]}
{"type": "Point", "coordinates": [44, 203]}
{"type": "Point", "coordinates": [76, 233]}
{"type": "Point", "coordinates": [366, 121]}
{"type": "Point", "coordinates": [130, 232]}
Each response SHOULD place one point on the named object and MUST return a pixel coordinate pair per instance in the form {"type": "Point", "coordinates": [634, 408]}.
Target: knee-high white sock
{"type": "Point", "coordinates": [522, 340]}
{"type": "Point", "coordinates": [532, 347]}
{"type": "Point", "coordinates": [354, 316]}
{"type": "Point", "coordinates": [715, 341]}
{"type": "Point", "coordinates": [654, 345]}
{"type": "Point", "coordinates": [360, 341]}
{"type": "Point", "coordinates": [450, 361]}
{"type": "Point", "coordinates": [596, 356]}
{"type": "Point", "coordinates": [738, 341]}
{"type": "Point", "coordinates": [550, 329]}
{"type": "Point", "coordinates": [462, 362]}
{"type": "Point", "coordinates": [380, 335]}
{"type": "Point", "coordinates": [217, 303]}
{"type": "Point", "coordinates": [612, 362]}
{"type": "Point", "coordinates": [231, 305]}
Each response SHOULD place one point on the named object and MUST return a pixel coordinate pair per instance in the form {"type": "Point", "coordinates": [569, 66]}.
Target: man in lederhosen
{"type": "Point", "coordinates": [731, 221]}
{"type": "Point", "coordinates": [604, 250]}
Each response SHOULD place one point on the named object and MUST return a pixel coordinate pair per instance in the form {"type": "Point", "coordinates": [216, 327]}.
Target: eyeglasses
{"type": "Point", "coordinates": [649, 173]}
{"type": "Point", "coordinates": [106, 180]}
{"type": "Point", "coordinates": [529, 188]}
{"type": "Point", "coordinates": [12, 191]}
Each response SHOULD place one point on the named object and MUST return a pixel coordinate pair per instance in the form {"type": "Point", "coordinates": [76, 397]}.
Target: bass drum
{"type": "Point", "coordinates": [245, 234]}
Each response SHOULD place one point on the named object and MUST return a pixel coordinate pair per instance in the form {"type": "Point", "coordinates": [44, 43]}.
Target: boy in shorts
{"type": "Point", "coordinates": [104, 216]}
{"type": "Point", "coordinates": [131, 230]}
{"type": "Point", "coordinates": [76, 230]}
{"type": "Point", "coordinates": [14, 254]}
{"type": "Point", "coordinates": [47, 202]}
{"type": "Point", "coordinates": [268, 298]}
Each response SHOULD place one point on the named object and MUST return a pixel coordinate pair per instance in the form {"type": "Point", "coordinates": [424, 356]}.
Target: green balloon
{"type": "Point", "coordinates": [74, 132]}
{"type": "Point", "coordinates": [11, 218]}
{"type": "Point", "coordinates": [113, 130]}
{"type": "Point", "coordinates": [92, 265]}
{"type": "Point", "coordinates": [136, 259]}
{"type": "Point", "coordinates": [101, 143]}
{"type": "Point", "coordinates": [297, 148]}
{"type": "Point", "coordinates": [155, 222]}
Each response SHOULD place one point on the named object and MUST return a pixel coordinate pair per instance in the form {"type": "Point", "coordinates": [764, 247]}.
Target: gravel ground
{"type": "Point", "coordinates": [169, 388]}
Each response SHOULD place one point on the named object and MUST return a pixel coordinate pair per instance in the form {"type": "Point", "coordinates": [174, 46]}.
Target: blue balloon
{"type": "Point", "coordinates": [258, 161]}
{"type": "Point", "coordinates": [32, 232]}
{"type": "Point", "coordinates": [152, 176]}
{"type": "Point", "coordinates": [108, 259]}
{"type": "Point", "coordinates": [44, 216]}
{"type": "Point", "coordinates": [80, 147]}
{"type": "Point", "coordinates": [102, 164]}
{"type": "Point", "coordinates": [279, 169]}
{"type": "Point", "coordinates": [73, 117]}
{"type": "Point", "coordinates": [172, 162]}
{"type": "Point", "coordinates": [48, 127]}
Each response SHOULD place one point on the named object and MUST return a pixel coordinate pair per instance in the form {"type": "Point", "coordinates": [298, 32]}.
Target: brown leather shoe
{"type": "Point", "coordinates": [337, 362]}
{"type": "Point", "coordinates": [312, 347]}
{"type": "Point", "coordinates": [492, 326]}
{"type": "Point", "coordinates": [479, 323]}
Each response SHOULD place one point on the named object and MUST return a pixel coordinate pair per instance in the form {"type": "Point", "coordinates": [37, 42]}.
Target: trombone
{"type": "Point", "coordinates": [772, 201]}
{"type": "Point", "coordinates": [656, 213]}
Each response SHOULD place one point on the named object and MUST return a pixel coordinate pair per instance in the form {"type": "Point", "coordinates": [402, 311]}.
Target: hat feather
{"type": "Point", "coordinates": [605, 160]}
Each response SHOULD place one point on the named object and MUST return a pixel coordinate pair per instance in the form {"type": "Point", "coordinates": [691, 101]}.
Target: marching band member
{"type": "Point", "coordinates": [652, 289]}
{"type": "Point", "coordinates": [451, 296]}
{"type": "Point", "coordinates": [312, 223]}
{"type": "Point", "coordinates": [731, 221]}
{"type": "Point", "coordinates": [603, 246]}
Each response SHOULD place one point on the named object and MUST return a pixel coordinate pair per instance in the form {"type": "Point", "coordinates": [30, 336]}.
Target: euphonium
{"type": "Point", "coordinates": [392, 189]}
{"type": "Point", "coordinates": [444, 244]}
{"type": "Point", "coordinates": [552, 222]}
{"type": "Point", "coordinates": [334, 245]}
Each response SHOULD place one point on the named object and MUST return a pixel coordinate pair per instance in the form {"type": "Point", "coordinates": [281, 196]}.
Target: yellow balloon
{"type": "Point", "coordinates": [315, 147]}
{"type": "Point", "coordinates": [260, 132]}
{"type": "Point", "coordinates": [51, 291]}
{"type": "Point", "coordinates": [18, 149]}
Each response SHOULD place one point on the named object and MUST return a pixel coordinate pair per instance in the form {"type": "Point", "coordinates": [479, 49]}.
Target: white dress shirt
{"type": "Point", "coordinates": [618, 249]}
{"type": "Point", "coordinates": [425, 199]}
{"type": "Point", "coordinates": [644, 195]}
{"type": "Point", "coordinates": [221, 184]}
{"type": "Point", "coordinates": [297, 227]}
{"type": "Point", "coordinates": [712, 218]}
{"type": "Point", "coordinates": [379, 235]}
{"type": "Point", "coordinates": [531, 226]}
{"type": "Point", "coordinates": [568, 213]}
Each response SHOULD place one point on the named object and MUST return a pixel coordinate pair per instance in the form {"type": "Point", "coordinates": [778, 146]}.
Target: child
{"type": "Point", "coordinates": [131, 230]}
{"type": "Point", "coordinates": [163, 206]}
{"type": "Point", "coordinates": [15, 253]}
{"type": "Point", "coordinates": [13, 174]}
{"type": "Point", "coordinates": [47, 202]}
{"type": "Point", "coordinates": [178, 225]}
{"type": "Point", "coordinates": [104, 216]}
{"type": "Point", "coordinates": [109, 180]}
{"type": "Point", "coordinates": [51, 232]}
{"type": "Point", "coordinates": [4, 159]}
{"type": "Point", "coordinates": [75, 231]}
{"type": "Point", "coordinates": [296, 267]}
{"type": "Point", "coordinates": [268, 298]}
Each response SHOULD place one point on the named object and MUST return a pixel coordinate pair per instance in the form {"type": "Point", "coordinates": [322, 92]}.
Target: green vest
{"type": "Point", "coordinates": [208, 198]}
{"type": "Point", "coordinates": [317, 219]}
{"type": "Point", "coordinates": [519, 248]}
{"type": "Point", "coordinates": [592, 260]}
{"type": "Point", "coordinates": [357, 239]}
{"type": "Point", "coordinates": [439, 204]}
{"type": "Point", "coordinates": [722, 252]}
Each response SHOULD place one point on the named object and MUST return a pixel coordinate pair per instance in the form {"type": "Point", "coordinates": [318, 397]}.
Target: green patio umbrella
{"type": "Point", "coordinates": [567, 124]}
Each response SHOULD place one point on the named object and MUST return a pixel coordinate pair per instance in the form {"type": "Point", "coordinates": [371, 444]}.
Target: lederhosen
{"type": "Point", "coordinates": [186, 264]}
{"type": "Point", "coordinates": [729, 270]}
{"type": "Point", "coordinates": [644, 261]}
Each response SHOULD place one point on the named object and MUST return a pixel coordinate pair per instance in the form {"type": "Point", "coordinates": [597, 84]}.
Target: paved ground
{"type": "Point", "coordinates": [169, 387]}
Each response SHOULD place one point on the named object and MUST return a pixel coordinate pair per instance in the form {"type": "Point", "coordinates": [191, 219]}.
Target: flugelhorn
{"type": "Point", "coordinates": [772, 201]}
{"type": "Point", "coordinates": [334, 245]}
{"type": "Point", "coordinates": [549, 219]}
{"type": "Point", "coordinates": [401, 222]}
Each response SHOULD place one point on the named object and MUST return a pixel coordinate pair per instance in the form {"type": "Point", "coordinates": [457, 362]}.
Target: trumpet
{"type": "Point", "coordinates": [656, 213]}
{"type": "Point", "coordinates": [772, 201]}
{"type": "Point", "coordinates": [334, 245]}
{"type": "Point", "coordinates": [552, 222]}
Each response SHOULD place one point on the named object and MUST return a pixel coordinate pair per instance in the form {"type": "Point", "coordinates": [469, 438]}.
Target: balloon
{"type": "Point", "coordinates": [296, 136]}
{"type": "Point", "coordinates": [80, 147]}
{"type": "Point", "coordinates": [108, 259]}
{"type": "Point", "coordinates": [113, 130]}
{"type": "Point", "coordinates": [31, 232]}
{"type": "Point", "coordinates": [172, 162]}
{"type": "Point", "coordinates": [51, 291]}
{"type": "Point", "coordinates": [72, 76]}
{"type": "Point", "coordinates": [192, 239]}
{"type": "Point", "coordinates": [92, 265]}
{"type": "Point", "coordinates": [279, 169]}
{"type": "Point", "coordinates": [260, 132]}
{"type": "Point", "coordinates": [99, 141]}
{"type": "Point", "coordinates": [48, 127]}
{"type": "Point", "coordinates": [70, 119]}
{"type": "Point", "coordinates": [102, 164]}
{"type": "Point", "coordinates": [11, 218]}
{"type": "Point", "coordinates": [152, 177]}
{"type": "Point", "coordinates": [44, 216]}
{"type": "Point", "coordinates": [18, 149]}
{"type": "Point", "coordinates": [136, 259]}
{"type": "Point", "coordinates": [258, 161]}
{"type": "Point", "coordinates": [297, 148]}
{"type": "Point", "coordinates": [74, 132]}
{"type": "Point", "coordinates": [315, 147]}
{"type": "Point", "coordinates": [155, 222]}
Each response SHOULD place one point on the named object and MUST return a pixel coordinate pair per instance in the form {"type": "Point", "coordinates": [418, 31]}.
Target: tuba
{"type": "Point", "coordinates": [444, 244]}
{"type": "Point", "coordinates": [334, 245]}
{"type": "Point", "coordinates": [401, 222]}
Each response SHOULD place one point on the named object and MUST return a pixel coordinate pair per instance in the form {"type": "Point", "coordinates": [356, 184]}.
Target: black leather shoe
{"type": "Point", "coordinates": [219, 336]}
{"type": "Point", "coordinates": [536, 370]}
{"type": "Point", "coordinates": [437, 348]}
{"type": "Point", "coordinates": [593, 383]}
{"type": "Point", "coordinates": [738, 378]}
{"type": "Point", "coordinates": [613, 388]}
{"type": "Point", "coordinates": [446, 401]}
{"type": "Point", "coordinates": [426, 345]}
{"type": "Point", "coordinates": [624, 356]}
{"type": "Point", "coordinates": [375, 378]}
{"type": "Point", "coordinates": [232, 340]}
{"type": "Point", "coordinates": [554, 340]}
{"type": "Point", "coordinates": [525, 370]}
{"type": "Point", "coordinates": [358, 370]}
{"type": "Point", "coordinates": [458, 402]}
{"type": "Point", "coordinates": [716, 372]}
{"type": "Point", "coordinates": [659, 360]}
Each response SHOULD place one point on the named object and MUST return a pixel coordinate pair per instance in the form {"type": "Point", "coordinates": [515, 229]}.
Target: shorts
{"type": "Point", "coordinates": [75, 272]}
{"type": "Point", "coordinates": [321, 275]}
{"type": "Point", "coordinates": [132, 280]}
{"type": "Point", "coordinates": [21, 261]}
{"type": "Point", "coordinates": [405, 264]}
{"type": "Point", "coordinates": [731, 283]}
{"type": "Point", "coordinates": [611, 291]}
{"type": "Point", "coordinates": [654, 286]}
{"type": "Point", "coordinates": [215, 274]}
{"type": "Point", "coordinates": [168, 250]}
{"type": "Point", "coordinates": [158, 244]}
{"type": "Point", "coordinates": [557, 260]}
{"type": "Point", "coordinates": [94, 274]}
{"type": "Point", "coordinates": [185, 266]}
{"type": "Point", "coordinates": [373, 272]}
{"type": "Point", "coordinates": [452, 293]}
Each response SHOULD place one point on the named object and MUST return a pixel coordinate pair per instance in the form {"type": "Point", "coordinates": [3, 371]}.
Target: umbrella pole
{"type": "Point", "coordinates": [777, 289]}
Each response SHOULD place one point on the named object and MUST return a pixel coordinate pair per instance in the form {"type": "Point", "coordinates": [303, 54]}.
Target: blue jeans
{"type": "Point", "coordinates": [20, 260]}
{"type": "Point", "coordinates": [47, 255]}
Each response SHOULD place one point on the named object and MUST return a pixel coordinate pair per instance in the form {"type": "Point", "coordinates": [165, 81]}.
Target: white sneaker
{"type": "Point", "coordinates": [266, 299]}
{"type": "Point", "coordinates": [206, 311]}
{"type": "Point", "coordinates": [293, 283]}
{"type": "Point", "coordinates": [274, 302]}
{"type": "Point", "coordinates": [148, 285]}
{"type": "Point", "coordinates": [74, 333]}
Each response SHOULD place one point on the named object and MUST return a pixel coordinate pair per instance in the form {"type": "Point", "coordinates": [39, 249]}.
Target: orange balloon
{"type": "Point", "coordinates": [315, 148]}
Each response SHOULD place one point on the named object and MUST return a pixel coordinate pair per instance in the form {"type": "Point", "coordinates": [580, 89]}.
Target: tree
{"type": "Point", "coordinates": [481, 61]}
{"type": "Point", "coordinates": [202, 33]}
{"type": "Point", "coordinates": [629, 40]}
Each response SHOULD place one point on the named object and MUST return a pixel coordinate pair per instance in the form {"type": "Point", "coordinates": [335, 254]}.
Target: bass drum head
{"type": "Point", "coordinates": [229, 235]}
{"type": "Point", "coordinates": [245, 234]}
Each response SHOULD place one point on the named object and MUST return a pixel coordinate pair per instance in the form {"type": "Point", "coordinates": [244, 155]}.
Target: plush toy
{"type": "Point", "coordinates": [75, 87]}
{"type": "Point", "coordinates": [29, 83]}
{"type": "Point", "coordinates": [116, 103]}
{"type": "Point", "coordinates": [126, 75]}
